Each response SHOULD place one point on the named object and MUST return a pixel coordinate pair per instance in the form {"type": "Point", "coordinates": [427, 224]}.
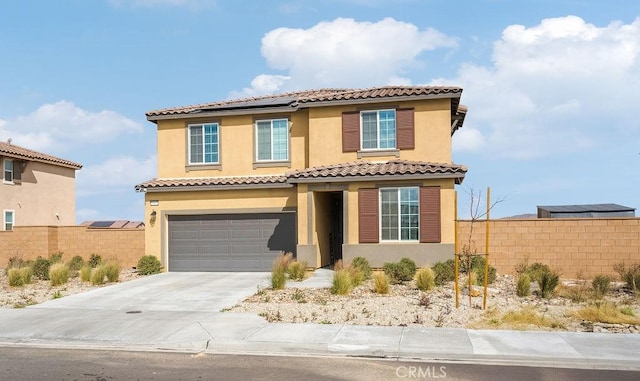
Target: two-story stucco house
{"type": "Point", "coordinates": [326, 174]}
{"type": "Point", "coordinates": [36, 188]}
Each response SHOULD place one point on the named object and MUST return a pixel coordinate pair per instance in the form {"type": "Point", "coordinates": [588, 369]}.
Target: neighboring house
{"type": "Point", "coordinates": [585, 211]}
{"type": "Point", "coordinates": [37, 189]}
{"type": "Point", "coordinates": [326, 174]}
{"type": "Point", "coordinates": [118, 224]}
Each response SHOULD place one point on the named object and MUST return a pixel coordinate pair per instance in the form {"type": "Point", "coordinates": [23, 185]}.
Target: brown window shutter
{"type": "Point", "coordinates": [368, 215]}
{"type": "Point", "coordinates": [405, 128]}
{"type": "Point", "coordinates": [430, 214]}
{"type": "Point", "coordinates": [350, 131]}
{"type": "Point", "coordinates": [17, 171]}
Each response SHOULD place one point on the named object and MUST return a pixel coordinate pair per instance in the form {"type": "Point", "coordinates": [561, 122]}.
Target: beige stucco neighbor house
{"type": "Point", "coordinates": [326, 174]}
{"type": "Point", "coordinates": [36, 188]}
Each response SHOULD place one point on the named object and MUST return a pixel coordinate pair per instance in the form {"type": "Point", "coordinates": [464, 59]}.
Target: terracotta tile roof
{"type": "Point", "coordinates": [212, 182]}
{"type": "Point", "coordinates": [308, 97]}
{"type": "Point", "coordinates": [17, 152]}
{"type": "Point", "coordinates": [365, 170]}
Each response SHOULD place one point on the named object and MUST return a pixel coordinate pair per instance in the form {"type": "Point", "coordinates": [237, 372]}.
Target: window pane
{"type": "Point", "coordinates": [195, 144]}
{"type": "Point", "coordinates": [280, 139]}
{"type": "Point", "coordinates": [264, 140]}
{"type": "Point", "coordinates": [8, 217]}
{"type": "Point", "coordinates": [211, 143]}
{"type": "Point", "coordinates": [388, 129]}
{"type": "Point", "coordinates": [409, 213]}
{"type": "Point", "coordinates": [369, 130]}
{"type": "Point", "coordinates": [389, 214]}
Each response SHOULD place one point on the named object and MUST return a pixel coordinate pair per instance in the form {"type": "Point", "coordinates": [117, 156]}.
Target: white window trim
{"type": "Point", "coordinates": [201, 125]}
{"type": "Point", "coordinates": [255, 132]}
{"type": "Point", "coordinates": [397, 189]}
{"type": "Point", "coordinates": [377, 148]}
{"type": "Point", "coordinates": [4, 219]}
{"type": "Point", "coordinates": [4, 180]}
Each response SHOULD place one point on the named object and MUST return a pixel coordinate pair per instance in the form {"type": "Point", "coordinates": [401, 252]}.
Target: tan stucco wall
{"type": "Point", "coordinates": [590, 246]}
{"type": "Point", "coordinates": [125, 246]}
{"type": "Point", "coordinates": [46, 196]}
{"type": "Point", "coordinates": [432, 133]}
{"type": "Point", "coordinates": [211, 202]}
{"type": "Point", "coordinates": [236, 146]}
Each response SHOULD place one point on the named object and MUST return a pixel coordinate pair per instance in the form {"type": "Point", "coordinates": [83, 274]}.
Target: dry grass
{"type": "Point", "coordinates": [380, 283]}
{"type": "Point", "coordinates": [605, 312]}
{"type": "Point", "coordinates": [341, 282]}
{"type": "Point", "coordinates": [425, 279]}
{"type": "Point", "coordinates": [279, 270]}
{"type": "Point", "coordinates": [58, 274]}
{"type": "Point", "coordinates": [525, 318]}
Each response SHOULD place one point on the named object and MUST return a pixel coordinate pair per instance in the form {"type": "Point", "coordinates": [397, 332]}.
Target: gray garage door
{"type": "Point", "coordinates": [229, 242]}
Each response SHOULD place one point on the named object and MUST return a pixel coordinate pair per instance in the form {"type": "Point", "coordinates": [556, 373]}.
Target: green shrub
{"type": "Point", "coordinates": [76, 263]}
{"type": "Point", "coordinates": [19, 276]}
{"type": "Point", "coordinates": [601, 285]}
{"type": "Point", "coordinates": [296, 270]}
{"type": "Point", "coordinates": [630, 276]}
{"type": "Point", "coordinates": [380, 283]}
{"type": "Point", "coordinates": [362, 264]}
{"type": "Point", "coordinates": [14, 262]}
{"type": "Point", "coordinates": [341, 284]}
{"type": "Point", "coordinates": [400, 272]}
{"type": "Point", "coordinates": [98, 275]}
{"type": "Point", "coordinates": [279, 270]}
{"type": "Point", "coordinates": [523, 287]}
{"type": "Point", "coordinates": [112, 271]}
{"type": "Point", "coordinates": [477, 265]}
{"type": "Point", "coordinates": [425, 279]}
{"type": "Point", "coordinates": [85, 273]}
{"type": "Point", "coordinates": [59, 274]}
{"type": "Point", "coordinates": [548, 281]}
{"type": "Point", "coordinates": [444, 272]}
{"type": "Point", "coordinates": [536, 270]}
{"type": "Point", "coordinates": [41, 268]}
{"type": "Point", "coordinates": [56, 257]}
{"type": "Point", "coordinates": [149, 264]}
{"type": "Point", "coordinates": [95, 260]}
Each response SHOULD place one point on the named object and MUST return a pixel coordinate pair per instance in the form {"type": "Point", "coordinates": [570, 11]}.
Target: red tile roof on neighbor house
{"type": "Point", "coordinates": [356, 171]}
{"type": "Point", "coordinates": [16, 152]}
{"type": "Point", "coordinates": [366, 170]}
{"type": "Point", "coordinates": [118, 224]}
{"type": "Point", "coordinates": [308, 98]}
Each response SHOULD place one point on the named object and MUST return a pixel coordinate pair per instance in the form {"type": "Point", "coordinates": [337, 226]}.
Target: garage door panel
{"type": "Point", "coordinates": [240, 242]}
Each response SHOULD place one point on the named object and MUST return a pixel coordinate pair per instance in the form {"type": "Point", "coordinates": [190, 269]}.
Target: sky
{"type": "Point", "coordinates": [552, 86]}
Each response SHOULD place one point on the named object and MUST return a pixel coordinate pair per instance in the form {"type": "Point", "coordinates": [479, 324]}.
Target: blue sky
{"type": "Point", "coordinates": [551, 85]}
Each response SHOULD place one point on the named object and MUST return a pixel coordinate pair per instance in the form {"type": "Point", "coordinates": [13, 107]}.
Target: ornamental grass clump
{"type": "Point", "coordinates": [630, 275]}
{"type": "Point", "coordinates": [523, 285]}
{"type": "Point", "coordinates": [112, 271]}
{"type": "Point", "coordinates": [58, 274]}
{"type": "Point", "coordinates": [601, 284]}
{"type": "Point", "coordinates": [19, 276]}
{"type": "Point", "coordinates": [341, 284]}
{"type": "Point", "coordinates": [85, 273]}
{"type": "Point", "coordinates": [425, 279]}
{"type": "Point", "coordinates": [380, 283]}
{"type": "Point", "coordinates": [296, 270]}
{"type": "Point", "coordinates": [279, 270]}
{"type": "Point", "coordinates": [548, 281]}
{"type": "Point", "coordinates": [98, 275]}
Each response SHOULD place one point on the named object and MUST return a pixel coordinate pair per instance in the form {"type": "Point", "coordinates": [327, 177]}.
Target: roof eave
{"type": "Point", "coordinates": [223, 112]}
{"type": "Point", "coordinates": [343, 102]}
{"type": "Point", "coordinates": [306, 180]}
{"type": "Point", "coordinates": [26, 158]}
{"type": "Point", "coordinates": [196, 188]}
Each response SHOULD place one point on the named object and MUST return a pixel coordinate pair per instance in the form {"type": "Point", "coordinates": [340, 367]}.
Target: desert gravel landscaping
{"type": "Point", "coordinates": [405, 305]}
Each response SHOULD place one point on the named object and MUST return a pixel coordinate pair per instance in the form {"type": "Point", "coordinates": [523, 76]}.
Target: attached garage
{"type": "Point", "coordinates": [229, 242]}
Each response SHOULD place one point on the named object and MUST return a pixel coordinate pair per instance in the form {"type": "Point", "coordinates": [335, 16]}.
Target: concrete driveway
{"type": "Point", "coordinates": [179, 292]}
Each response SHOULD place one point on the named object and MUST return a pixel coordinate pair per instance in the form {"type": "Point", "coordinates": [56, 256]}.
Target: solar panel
{"type": "Point", "coordinates": [265, 102]}
{"type": "Point", "coordinates": [102, 224]}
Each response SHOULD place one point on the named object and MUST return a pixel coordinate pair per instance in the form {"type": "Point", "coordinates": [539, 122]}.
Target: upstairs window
{"type": "Point", "coordinates": [8, 170]}
{"type": "Point", "coordinates": [272, 140]}
{"type": "Point", "coordinates": [8, 220]}
{"type": "Point", "coordinates": [378, 129]}
{"type": "Point", "coordinates": [204, 143]}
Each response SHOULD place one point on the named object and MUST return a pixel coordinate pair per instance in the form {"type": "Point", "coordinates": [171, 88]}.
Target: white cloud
{"type": "Point", "coordinates": [563, 85]}
{"type": "Point", "coordinates": [346, 53]}
{"type": "Point", "coordinates": [114, 175]}
{"type": "Point", "coordinates": [56, 127]}
{"type": "Point", "coordinates": [262, 84]}
{"type": "Point", "coordinates": [468, 139]}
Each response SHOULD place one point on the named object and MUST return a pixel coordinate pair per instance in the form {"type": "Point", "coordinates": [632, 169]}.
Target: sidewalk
{"type": "Point", "coordinates": [212, 331]}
